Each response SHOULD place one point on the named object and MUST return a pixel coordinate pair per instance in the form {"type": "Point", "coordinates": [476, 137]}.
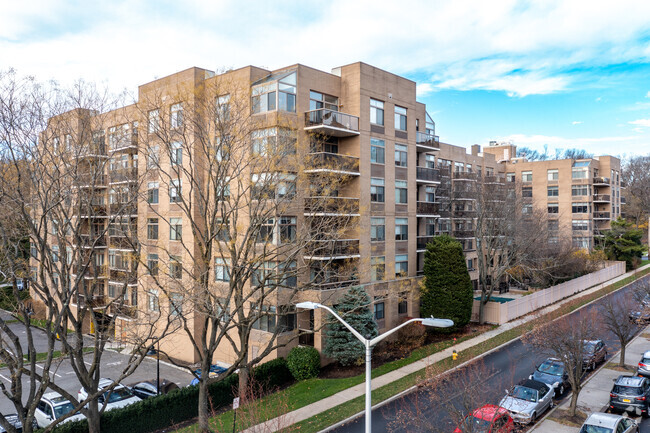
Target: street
{"type": "Point", "coordinates": [501, 369]}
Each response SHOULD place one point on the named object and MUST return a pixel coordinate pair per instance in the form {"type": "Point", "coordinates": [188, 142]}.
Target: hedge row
{"type": "Point", "coordinates": [180, 405]}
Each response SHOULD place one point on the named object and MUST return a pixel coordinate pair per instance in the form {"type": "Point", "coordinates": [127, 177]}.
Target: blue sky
{"type": "Point", "coordinates": [556, 73]}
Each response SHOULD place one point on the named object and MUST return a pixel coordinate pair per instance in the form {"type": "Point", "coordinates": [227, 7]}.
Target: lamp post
{"type": "Point", "coordinates": [369, 344]}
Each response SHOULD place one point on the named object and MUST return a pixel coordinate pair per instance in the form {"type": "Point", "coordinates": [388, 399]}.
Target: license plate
{"type": "Point", "coordinates": [626, 400]}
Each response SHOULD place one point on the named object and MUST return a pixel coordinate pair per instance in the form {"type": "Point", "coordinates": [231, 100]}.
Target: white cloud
{"type": "Point", "coordinates": [640, 122]}
{"type": "Point", "coordinates": [647, 95]}
{"type": "Point", "coordinates": [576, 122]}
{"type": "Point", "coordinates": [423, 89]}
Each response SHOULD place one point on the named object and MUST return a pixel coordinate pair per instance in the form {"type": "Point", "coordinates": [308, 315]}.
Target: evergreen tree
{"type": "Point", "coordinates": [447, 291]}
{"type": "Point", "coordinates": [340, 344]}
{"type": "Point", "coordinates": [623, 242]}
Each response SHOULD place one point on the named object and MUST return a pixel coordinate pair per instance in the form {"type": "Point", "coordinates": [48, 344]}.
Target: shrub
{"type": "Point", "coordinates": [272, 374]}
{"type": "Point", "coordinates": [303, 362]}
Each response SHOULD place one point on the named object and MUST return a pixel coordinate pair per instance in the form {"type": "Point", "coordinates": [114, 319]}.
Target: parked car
{"type": "Point", "coordinates": [630, 394]}
{"type": "Point", "coordinates": [14, 420]}
{"type": "Point", "coordinates": [553, 373]}
{"type": "Point", "coordinates": [608, 423]}
{"type": "Point", "coordinates": [54, 406]}
{"type": "Point", "coordinates": [641, 316]}
{"type": "Point", "coordinates": [487, 419]}
{"type": "Point", "coordinates": [215, 370]}
{"type": "Point", "coordinates": [119, 396]}
{"type": "Point", "coordinates": [148, 389]}
{"type": "Point", "coordinates": [527, 400]}
{"type": "Point", "coordinates": [643, 369]}
{"type": "Point", "coordinates": [595, 352]}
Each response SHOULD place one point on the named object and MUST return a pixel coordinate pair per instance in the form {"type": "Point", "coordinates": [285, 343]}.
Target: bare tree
{"type": "Point", "coordinates": [566, 340]}
{"type": "Point", "coordinates": [636, 173]}
{"type": "Point", "coordinates": [614, 317]}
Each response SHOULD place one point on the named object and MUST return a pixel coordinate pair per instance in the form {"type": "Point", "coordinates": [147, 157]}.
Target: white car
{"type": "Point", "coordinates": [528, 400]}
{"type": "Point", "coordinates": [608, 423]}
{"type": "Point", "coordinates": [53, 406]}
{"type": "Point", "coordinates": [120, 396]}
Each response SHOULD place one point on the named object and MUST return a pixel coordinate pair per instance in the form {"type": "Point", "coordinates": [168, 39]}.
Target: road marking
{"type": "Point", "coordinates": [5, 378]}
{"type": "Point", "coordinates": [70, 372]}
{"type": "Point", "coordinates": [113, 363]}
{"type": "Point", "coordinates": [88, 364]}
{"type": "Point", "coordinates": [41, 367]}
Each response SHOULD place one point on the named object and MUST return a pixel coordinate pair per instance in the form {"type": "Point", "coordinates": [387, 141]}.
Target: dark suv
{"type": "Point", "coordinates": [553, 373]}
{"type": "Point", "coordinates": [595, 352]}
{"type": "Point", "coordinates": [630, 394]}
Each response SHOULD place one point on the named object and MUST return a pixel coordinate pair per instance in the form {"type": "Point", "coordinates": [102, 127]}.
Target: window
{"type": "Point", "coordinates": [377, 150]}
{"type": "Point", "coordinates": [379, 309]}
{"type": "Point", "coordinates": [444, 162]}
{"type": "Point", "coordinates": [265, 234]}
{"type": "Point", "coordinates": [377, 268]}
{"type": "Point", "coordinates": [527, 191]}
{"type": "Point", "coordinates": [581, 242]}
{"type": "Point", "coordinates": [154, 121]}
{"type": "Point", "coordinates": [526, 176]}
{"type": "Point", "coordinates": [223, 230]}
{"type": "Point", "coordinates": [376, 112]}
{"type": "Point", "coordinates": [320, 100]}
{"type": "Point", "coordinates": [153, 156]}
{"type": "Point", "coordinates": [580, 171]}
{"type": "Point", "coordinates": [175, 267]}
{"type": "Point", "coordinates": [152, 192]}
{"type": "Point", "coordinates": [552, 174]}
{"type": "Point", "coordinates": [152, 264]}
{"type": "Point", "coordinates": [377, 190]}
{"type": "Point", "coordinates": [459, 167]}
{"type": "Point", "coordinates": [553, 225]}
{"type": "Point", "coordinates": [266, 321]}
{"type": "Point", "coordinates": [430, 161]}
{"type": "Point", "coordinates": [527, 209]}
{"type": "Point", "coordinates": [430, 194]}
{"type": "Point", "coordinates": [287, 229]}
{"type": "Point", "coordinates": [175, 229]}
{"type": "Point", "coordinates": [510, 177]}
{"type": "Point", "coordinates": [402, 304]}
{"type": "Point", "coordinates": [377, 229]}
{"type": "Point", "coordinates": [400, 118]}
{"type": "Point", "coordinates": [580, 208]}
{"type": "Point", "coordinates": [55, 254]}
{"type": "Point", "coordinates": [175, 304]}
{"type": "Point", "coordinates": [553, 208]}
{"type": "Point", "coordinates": [176, 115]}
{"type": "Point", "coordinates": [401, 155]}
{"type": "Point", "coordinates": [579, 225]}
{"type": "Point", "coordinates": [175, 190]}
{"type": "Point", "coordinates": [401, 192]}
{"type": "Point", "coordinates": [273, 142]}
{"type": "Point", "coordinates": [221, 269]}
{"type": "Point", "coordinates": [176, 157]}
{"type": "Point", "coordinates": [288, 276]}
{"type": "Point", "coordinates": [284, 89]}
{"type": "Point", "coordinates": [470, 264]}
{"type": "Point", "coordinates": [401, 265]}
{"type": "Point", "coordinates": [552, 191]}
{"type": "Point", "coordinates": [401, 229]}
{"type": "Point", "coordinates": [468, 168]}
{"type": "Point", "coordinates": [153, 300]}
{"type": "Point", "coordinates": [430, 226]}
{"type": "Point", "coordinates": [152, 228]}
{"type": "Point", "coordinates": [223, 108]}
{"type": "Point", "coordinates": [579, 190]}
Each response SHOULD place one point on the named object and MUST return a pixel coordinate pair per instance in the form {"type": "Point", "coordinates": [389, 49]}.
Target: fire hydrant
{"type": "Point", "coordinates": [454, 355]}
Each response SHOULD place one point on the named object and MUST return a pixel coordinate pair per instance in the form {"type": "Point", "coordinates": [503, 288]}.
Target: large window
{"type": "Point", "coordinates": [552, 174]}
{"type": "Point", "coordinates": [287, 229]}
{"type": "Point", "coordinates": [401, 155]}
{"type": "Point", "coordinates": [175, 229]}
{"type": "Point", "coordinates": [402, 304]}
{"type": "Point", "coordinates": [527, 191]}
{"type": "Point", "coordinates": [400, 118]}
{"type": "Point", "coordinates": [223, 108]}
{"type": "Point", "coordinates": [581, 242]}
{"type": "Point", "coordinates": [377, 268]}
{"type": "Point", "coordinates": [377, 148]}
{"type": "Point", "coordinates": [273, 142]}
{"type": "Point", "coordinates": [176, 157]}
{"type": "Point", "coordinates": [580, 170]}
{"type": "Point", "coordinates": [401, 192]}
{"type": "Point", "coordinates": [552, 191]}
{"type": "Point", "coordinates": [580, 225]}
{"type": "Point", "coordinates": [401, 265]}
{"type": "Point", "coordinates": [401, 229]}
{"type": "Point", "coordinates": [176, 115]}
{"type": "Point", "coordinates": [266, 321]}
{"type": "Point", "coordinates": [152, 228]}
{"type": "Point", "coordinates": [377, 229]}
{"type": "Point", "coordinates": [221, 271]}
{"type": "Point", "coordinates": [175, 191]}
{"type": "Point", "coordinates": [175, 267]}
{"type": "Point", "coordinates": [152, 264]}
{"type": "Point", "coordinates": [430, 194]}
{"type": "Point", "coordinates": [154, 121]}
{"type": "Point", "coordinates": [430, 161]}
{"type": "Point", "coordinates": [379, 308]}
{"type": "Point", "coordinates": [175, 304]}
{"type": "Point", "coordinates": [153, 156]}
{"type": "Point", "coordinates": [377, 193]}
{"type": "Point", "coordinates": [280, 93]}
{"type": "Point", "coordinates": [579, 190]}
{"type": "Point", "coordinates": [153, 300]}
{"type": "Point", "coordinates": [376, 112]}
{"type": "Point", "coordinates": [152, 192]}
{"type": "Point", "coordinates": [510, 177]}
{"type": "Point", "coordinates": [580, 208]}
{"type": "Point", "coordinates": [320, 100]}
{"type": "Point", "coordinates": [265, 234]}
{"type": "Point", "coordinates": [526, 176]}
{"type": "Point", "coordinates": [553, 208]}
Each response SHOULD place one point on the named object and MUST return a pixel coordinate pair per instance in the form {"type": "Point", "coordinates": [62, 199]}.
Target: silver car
{"type": "Point", "coordinates": [643, 368]}
{"type": "Point", "coordinates": [608, 423]}
{"type": "Point", "coordinates": [528, 400]}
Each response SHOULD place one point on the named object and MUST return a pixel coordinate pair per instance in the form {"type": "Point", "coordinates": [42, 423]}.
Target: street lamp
{"type": "Point", "coordinates": [369, 344]}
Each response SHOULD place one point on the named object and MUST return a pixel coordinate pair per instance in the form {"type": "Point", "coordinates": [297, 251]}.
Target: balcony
{"type": "Point", "coordinates": [124, 175]}
{"type": "Point", "coordinates": [599, 232]}
{"type": "Point", "coordinates": [427, 142]}
{"type": "Point", "coordinates": [123, 310]}
{"type": "Point", "coordinates": [90, 151]}
{"type": "Point", "coordinates": [93, 211]}
{"type": "Point", "coordinates": [430, 209]}
{"type": "Point", "coordinates": [331, 123]}
{"type": "Point", "coordinates": [123, 142]}
{"type": "Point", "coordinates": [601, 181]}
{"type": "Point", "coordinates": [91, 180]}
{"type": "Point", "coordinates": [124, 209]}
{"type": "Point", "coordinates": [464, 194]}
{"type": "Point", "coordinates": [332, 162]}
{"type": "Point", "coordinates": [422, 242]}
{"type": "Point", "coordinates": [601, 215]}
{"type": "Point", "coordinates": [494, 179]}
{"type": "Point", "coordinates": [461, 175]}
{"type": "Point", "coordinates": [91, 272]}
{"type": "Point", "coordinates": [94, 302]}
{"type": "Point", "coordinates": [464, 213]}
{"type": "Point", "coordinates": [463, 234]}
{"type": "Point", "coordinates": [88, 241]}
{"type": "Point", "coordinates": [442, 191]}
{"type": "Point", "coordinates": [334, 282]}
{"type": "Point", "coordinates": [427, 175]}
{"type": "Point", "coordinates": [602, 198]}
{"type": "Point", "coordinates": [123, 276]}
{"type": "Point", "coordinates": [332, 249]}
{"type": "Point", "coordinates": [331, 206]}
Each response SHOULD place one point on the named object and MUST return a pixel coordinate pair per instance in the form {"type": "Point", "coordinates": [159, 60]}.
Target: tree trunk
{"type": "Point", "coordinates": [621, 361]}
{"type": "Point", "coordinates": [204, 407]}
{"type": "Point", "coordinates": [94, 417]}
{"type": "Point", "coordinates": [574, 403]}
{"type": "Point", "coordinates": [243, 381]}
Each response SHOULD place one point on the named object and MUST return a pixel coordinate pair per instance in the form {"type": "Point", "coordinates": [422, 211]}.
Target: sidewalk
{"type": "Point", "coordinates": [594, 397]}
{"type": "Point", "coordinates": [356, 391]}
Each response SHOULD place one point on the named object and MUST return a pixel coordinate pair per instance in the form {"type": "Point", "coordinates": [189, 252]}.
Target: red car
{"type": "Point", "coordinates": [488, 419]}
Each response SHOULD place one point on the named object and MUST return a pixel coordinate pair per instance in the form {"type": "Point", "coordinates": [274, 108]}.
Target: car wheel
{"type": "Point", "coordinates": [533, 418]}
{"type": "Point", "coordinates": [592, 367]}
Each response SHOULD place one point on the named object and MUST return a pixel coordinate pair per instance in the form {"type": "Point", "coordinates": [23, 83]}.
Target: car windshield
{"type": "Point", "coordinates": [590, 347]}
{"type": "Point", "coordinates": [118, 394]}
{"type": "Point", "coordinates": [472, 424]}
{"type": "Point", "coordinates": [595, 429]}
{"type": "Point", "coordinates": [63, 409]}
{"type": "Point", "coordinates": [554, 368]}
{"type": "Point", "coordinates": [627, 390]}
{"type": "Point", "coordinates": [523, 393]}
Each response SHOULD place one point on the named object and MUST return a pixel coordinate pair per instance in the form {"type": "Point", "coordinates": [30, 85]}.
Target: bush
{"type": "Point", "coordinates": [303, 362]}
{"type": "Point", "coordinates": [181, 404]}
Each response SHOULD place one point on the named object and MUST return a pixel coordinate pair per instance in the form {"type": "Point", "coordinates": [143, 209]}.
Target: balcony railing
{"type": "Point", "coordinates": [124, 175]}
{"type": "Point", "coordinates": [123, 310]}
{"type": "Point", "coordinates": [325, 161]}
{"type": "Point", "coordinates": [94, 210]}
{"type": "Point", "coordinates": [422, 242]}
{"type": "Point", "coordinates": [427, 174]}
{"type": "Point", "coordinates": [123, 276]}
{"type": "Point", "coordinates": [331, 206]}
{"type": "Point", "coordinates": [335, 282]}
{"type": "Point", "coordinates": [461, 175]}
{"type": "Point", "coordinates": [602, 215]}
{"type": "Point", "coordinates": [333, 123]}
{"type": "Point", "coordinates": [90, 180]}
{"type": "Point", "coordinates": [464, 213]}
{"type": "Point", "coordinates": [462, 193]}
{"type": "Point", "coordinates": [123, 142]}
{"type": "Point", "coordinates": [428, 208]}
{"type": "Point", "coordinates": [463, 234]}
{"type": "Point", "coordinates": [332, 248]}
{"type": "Point", "coordinates": [602, 197]}
{"type": "Point", "coordinates": [422, 139]}
{"type": "Point", "coordinates": [88, 241]}
{"type": "Point", "coordinates": [97, 301]}
{"type": "Point", "coordinates": [90, 151]}
{"type": "Point", "coordinates": [601, 181]}
{"type": "Point", "coordinates": [124, 209]}
{"type": "Point", "coordinates": [494, 179]}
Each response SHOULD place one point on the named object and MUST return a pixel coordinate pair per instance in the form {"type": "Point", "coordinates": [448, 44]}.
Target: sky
{"type": "Point", "coordinates": [555, 74]}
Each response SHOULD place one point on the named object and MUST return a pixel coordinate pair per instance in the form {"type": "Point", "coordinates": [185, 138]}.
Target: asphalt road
{"type": "Point", "coordinates": [496, 372]}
